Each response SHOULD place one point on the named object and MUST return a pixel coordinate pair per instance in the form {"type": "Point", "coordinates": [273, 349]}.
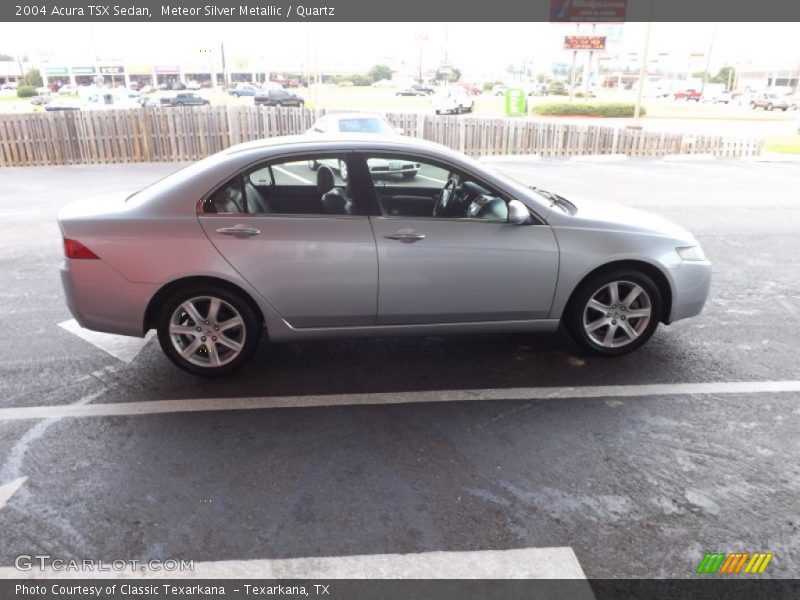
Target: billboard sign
{"type": "Point", "coordinates": [588, 11]}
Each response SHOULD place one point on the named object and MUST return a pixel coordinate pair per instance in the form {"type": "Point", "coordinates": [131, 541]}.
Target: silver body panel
{"type": "Point", "coordinates": [339, 276]}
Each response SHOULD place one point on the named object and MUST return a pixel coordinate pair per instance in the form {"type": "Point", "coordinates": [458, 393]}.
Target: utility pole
{"type": "Point", "coordinates": [224, 67]}
{"type": "Point", "coordinates": [708, 61]}
{"type": "Point", "coordinates": [572, 69]}
{"type": "Point", "coordinates": [643, 71]}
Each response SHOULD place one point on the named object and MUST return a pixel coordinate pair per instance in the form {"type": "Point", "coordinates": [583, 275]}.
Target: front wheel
{"type": "Point", "coordinates": [208, 330]}
{"type": "Point", "coordinates": [614, 312]}
{"type": "Point", "coordinates": [313, 165]}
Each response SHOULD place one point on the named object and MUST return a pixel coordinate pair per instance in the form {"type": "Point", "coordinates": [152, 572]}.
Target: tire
{"type": "Point", "coordinates": [579, 315]}
{"type": "Point", "coordinates": [231, 305]}
{"type": "Point", "coordinates": [234, 94]}
{"type": "Point", "coordinates": [438, 112]}
{"type": "Point", "coordinates": [343, 170]}
{"type": "Point", "coordinates": [410, 175]}
{"type": "Point", "coordinates": [770, 107]}
{"type": "Point", "coordinates": [313, 165]}
{"type": "Point", "coordinates": [278, 104]}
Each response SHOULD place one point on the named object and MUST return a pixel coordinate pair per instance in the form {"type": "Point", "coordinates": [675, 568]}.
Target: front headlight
{"type": "Point", "coordinates": [690, 252]}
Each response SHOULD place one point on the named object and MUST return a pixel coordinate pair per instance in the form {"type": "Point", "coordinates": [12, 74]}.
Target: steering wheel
{"type": "Point", "coordinates": [447, 193]}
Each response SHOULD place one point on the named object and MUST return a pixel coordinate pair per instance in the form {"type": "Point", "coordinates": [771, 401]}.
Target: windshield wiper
{"type": "Point", "coordinates": [555, 199]}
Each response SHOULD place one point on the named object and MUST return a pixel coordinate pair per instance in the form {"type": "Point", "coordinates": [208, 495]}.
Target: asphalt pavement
{"type": "Point", "coordinates": [637, 483]}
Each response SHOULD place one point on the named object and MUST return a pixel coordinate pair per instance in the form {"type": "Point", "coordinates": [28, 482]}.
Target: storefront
{"type": "Point", "coordinates": [140, 75]}
{"type": "Point", "coordinates": [55, 77]}
{"type": "Point", "coordinates": [84, 75]}
{"type": "Point", "coordinates": [167, 74]}
{"type": "Point", "coordinates": [113, 75]}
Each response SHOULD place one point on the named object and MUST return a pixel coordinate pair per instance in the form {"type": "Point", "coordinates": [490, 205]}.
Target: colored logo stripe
{"type": "Point", "coordinates": [733, 563]}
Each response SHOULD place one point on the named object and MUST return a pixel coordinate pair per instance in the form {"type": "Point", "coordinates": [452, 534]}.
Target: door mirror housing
{"type": "Point", "coordinates": [518, 213]}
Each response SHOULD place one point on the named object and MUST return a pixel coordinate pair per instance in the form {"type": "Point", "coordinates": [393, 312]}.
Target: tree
{"type": "Point", "coordinates": [6, 57]}
{"type": "Point", "coordinates": [379, 72]}
{"type": "Point", "coordinates": [33, 78]}
{"type": "Point", "coordinates": [725, 75]}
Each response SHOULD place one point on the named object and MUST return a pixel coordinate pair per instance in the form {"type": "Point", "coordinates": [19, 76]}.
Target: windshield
{"type": "Point", "coordinates": [365, 126]}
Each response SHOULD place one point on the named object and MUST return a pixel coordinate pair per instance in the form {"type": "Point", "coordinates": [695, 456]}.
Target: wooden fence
{"type": "Point", "coordinates": [191, 133]}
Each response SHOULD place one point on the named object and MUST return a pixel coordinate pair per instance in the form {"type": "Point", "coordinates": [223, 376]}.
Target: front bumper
{"type": "Point", "coordinates": [692, 282]}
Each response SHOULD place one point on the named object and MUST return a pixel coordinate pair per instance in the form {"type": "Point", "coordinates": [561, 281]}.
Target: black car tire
{"type": "Point", "coordinates": [313, 165]}
{"type": "Point", "coordinates": [770, 107]}
{"type": "Point", "coordinates": [409, 175]}
{"type": "Point", "coordinates": [252, 327]}
{"type": "Point", "coordinates": [573, 316]}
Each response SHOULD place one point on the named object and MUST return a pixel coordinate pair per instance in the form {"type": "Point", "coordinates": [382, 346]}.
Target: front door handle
{"type": "Point", "coordinates": [243, 230]}
{"type": "Point", "coordinates": [406, 235]}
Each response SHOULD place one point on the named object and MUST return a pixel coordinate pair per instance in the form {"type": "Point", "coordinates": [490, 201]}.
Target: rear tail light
{"type": "Point", "coordinates": [74, 249]}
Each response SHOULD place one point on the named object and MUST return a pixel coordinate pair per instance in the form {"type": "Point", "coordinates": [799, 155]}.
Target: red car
{"type": "Point", "coordinates": [689, 94]}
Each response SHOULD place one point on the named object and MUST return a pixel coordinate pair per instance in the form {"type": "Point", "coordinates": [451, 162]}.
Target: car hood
{"type": "Point", "coordinates": [595, 214]}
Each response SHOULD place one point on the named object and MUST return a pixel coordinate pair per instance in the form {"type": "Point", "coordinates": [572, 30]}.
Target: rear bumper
{"type": "Point", "coordinates": [101, 300]}
{"type": "Point", "coordinates": [692, 281]}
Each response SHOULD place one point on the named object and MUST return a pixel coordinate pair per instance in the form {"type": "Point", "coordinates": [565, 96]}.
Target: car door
{"type": "Point", "coordinates": [465, 267]}
{"type": "Point", "coordinates": [317, 268]}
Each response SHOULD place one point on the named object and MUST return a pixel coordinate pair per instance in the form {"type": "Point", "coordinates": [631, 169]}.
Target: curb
{"type": "Point", "coordinates": [510, 157]}
{"type": "Point", "coordinates": [599, 157]}
{"type": "Point", "coordinates": [688, 157]}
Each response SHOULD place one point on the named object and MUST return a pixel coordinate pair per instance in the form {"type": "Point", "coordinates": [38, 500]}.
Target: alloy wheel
{"type": "Point", "coordinates": [617, 314]}
{"type": "Point", "coordinates": [207, 331]}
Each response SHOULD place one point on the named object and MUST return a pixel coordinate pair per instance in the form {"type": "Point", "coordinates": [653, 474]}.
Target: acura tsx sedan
{"type": "Point", "coordinates": [252, 243]}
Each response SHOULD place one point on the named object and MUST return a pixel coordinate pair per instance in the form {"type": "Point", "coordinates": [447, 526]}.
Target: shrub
{"type": "Point", "coordinates": [26, 91]}
{"type": "Point", "coordinates": [361, 80]}
{"type": "Point", "coordinates": [612, 110]}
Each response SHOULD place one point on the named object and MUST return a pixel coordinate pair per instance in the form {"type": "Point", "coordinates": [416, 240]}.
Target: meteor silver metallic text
{"type": "Point", "coordinates": [266, 239]}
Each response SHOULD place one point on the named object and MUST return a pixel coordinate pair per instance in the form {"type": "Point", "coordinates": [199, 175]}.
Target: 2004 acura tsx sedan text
{"type": "Point", "coordinates": [253, 241]}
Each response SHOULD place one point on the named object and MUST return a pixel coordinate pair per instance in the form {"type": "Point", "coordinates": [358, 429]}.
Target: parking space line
{"type": "Point", "coordinates": [431, 178]}
{"type": "Point", "coordinates": [521, 563]}
{"type": "Point", "coordinates": [290, 174]}
{"type": "Point", "coordinates": [267, 402]}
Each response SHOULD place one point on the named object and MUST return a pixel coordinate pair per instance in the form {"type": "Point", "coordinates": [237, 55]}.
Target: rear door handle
{"type": "Point", "coordinates": [242, 230]}
{"type": "Point", "coordinates": [406, 236]}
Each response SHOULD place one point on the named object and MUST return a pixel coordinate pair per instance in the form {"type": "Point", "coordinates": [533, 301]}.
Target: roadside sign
{"type": "Point", "coordinates": [584, 42]}
{"type": "Point", "coordinates": [515, 102]}
{"type": "Point", "coordinates": [594, 11]}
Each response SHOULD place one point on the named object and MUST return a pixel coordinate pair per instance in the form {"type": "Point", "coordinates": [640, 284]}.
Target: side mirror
{"type": "Point", "coordinates": [518, 213]}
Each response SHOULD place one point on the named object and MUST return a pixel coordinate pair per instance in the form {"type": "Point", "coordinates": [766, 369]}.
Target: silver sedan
{"type": "Point", "coordinates": [252, 242]}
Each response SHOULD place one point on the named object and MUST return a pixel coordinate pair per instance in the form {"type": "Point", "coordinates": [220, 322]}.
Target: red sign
{"type": "Point", "coordinates": [588, 11]}
{"type": "Point", "coordinates": [584, 42]}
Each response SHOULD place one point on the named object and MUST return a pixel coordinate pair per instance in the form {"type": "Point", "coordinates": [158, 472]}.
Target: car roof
{"type": "Point", "coordinates": [348, 140]}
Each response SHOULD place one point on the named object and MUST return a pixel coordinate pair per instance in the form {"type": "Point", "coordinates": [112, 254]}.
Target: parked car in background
{"type": "Point", "coordinates": [688, 94]}
{"type": "Point", "coordinates": [67, 90]}
{"type": "Point", "coordinates": [277, 98]}
{"type": "Point", "coordinates": [148, 102]}
{"type": "Point", "coordinates": [383, 83]}
{"type": "Point", "coordinates": [771, 101]}
{"type": "Point", "coordinates": [470, 88]}
{"type": "Point", "coordinates": [453, 100]}
{"type": "Point", "coordinates": [9, 85]}
{"type": "Point", "coordinates": [722, 97]}
{"type": "Point", "coordinates": [147, 89]}
{"type": "Point", "coordinates": [245, 246]}
{"type": "Point", "coordinates": [243, 89]}
{"type": "Point", "coordinates": [361, 123]}
{"type": "Point", "coordinates": [185, 99]}
{"type": "Point", "coordinates": [193, 85]}
{"type": "Point", "coordinates": [40, 100]}
{"type": "Point", "coordinates": [410, 91]}
{"type": "Point", "coordinates": [499, 89]}
{"type": "Point", "coordinates": [60, 104]}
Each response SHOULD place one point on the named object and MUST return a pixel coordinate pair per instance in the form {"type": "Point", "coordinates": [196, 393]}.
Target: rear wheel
{"type": "Point", "coordinates": [409, 175]}
{"type": "Point", "coordinates": [313, 165]}
{"type": "Point", "coordinates": [208, 330]}
{"type": "Point", "coordinates": [770, 107]}
{"type": "Point", "coordinates": [614, 312]}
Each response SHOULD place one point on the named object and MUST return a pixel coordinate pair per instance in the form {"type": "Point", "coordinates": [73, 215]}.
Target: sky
{"type": "Point", "coordinates": [476, 47]}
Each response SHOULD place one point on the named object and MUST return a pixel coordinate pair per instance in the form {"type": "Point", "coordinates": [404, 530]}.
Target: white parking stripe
{"type": "Point", "coordinates": [523, 563]}
{"type": "Point", "coordinates": [7, 490]}
{"type": "Point", "coordinates": [121, 347]}
{"type": "Point", "coordinates": [298, 177]}
{"type": "Point", "coordinates": [263, 402]}
{"type": "Point", "coordinates": [431, 178]}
